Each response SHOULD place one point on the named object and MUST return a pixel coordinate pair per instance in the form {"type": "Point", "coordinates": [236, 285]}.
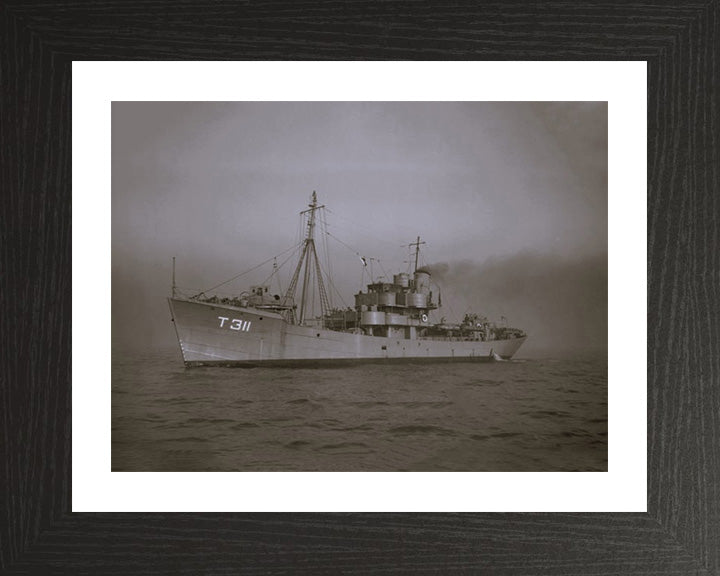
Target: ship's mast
{"type": "Point", "coordinates": [309, 244]}
{"type": "Point", "coordinates": [417, 250]}
{"type": "Point", "coordinates": [309, 253]}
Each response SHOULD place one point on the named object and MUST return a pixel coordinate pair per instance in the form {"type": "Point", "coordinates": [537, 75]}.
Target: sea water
{"type": "Point", "coordinates": [528, 414]}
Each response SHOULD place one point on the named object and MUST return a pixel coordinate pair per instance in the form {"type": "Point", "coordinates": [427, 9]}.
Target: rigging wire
{"type": "Point", "coordinates": [328, 269]}
{"type": "Point", "coordinates": [362, 258]}
{"type": "Point", "coordinates": [246, 271]}
{"type": "Point", "coordinates": [332, 285]}
{"type": "Point", "coordinates": [357, 253]}
{"type": "Point", "coordinates": [343, 243]}
{"type": "Point", "coordinates": [300, 230]}
{"type": "Point", "coordinates": [276, 270]}
{"type": "Point", "coordinates": [313, 291]}
{"type": "Point", "coordinates": [383, 270]}
{"type": "Point", "coordinates": [328, 262]}
{"type": "Point", "coordinates": [374, 232]}
{"type": "Point", "coordinates": [280, 288]}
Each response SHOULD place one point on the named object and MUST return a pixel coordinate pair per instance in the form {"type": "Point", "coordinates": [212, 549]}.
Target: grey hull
{"type": "Point", "coordinates": [220, 335]}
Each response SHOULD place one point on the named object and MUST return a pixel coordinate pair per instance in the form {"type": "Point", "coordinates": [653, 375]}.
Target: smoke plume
{"type": "Point", "coordinates": [561, 303]}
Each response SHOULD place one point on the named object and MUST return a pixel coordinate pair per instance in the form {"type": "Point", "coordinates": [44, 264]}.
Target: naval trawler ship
{"type": "Point", "coordinates": [389, 323]}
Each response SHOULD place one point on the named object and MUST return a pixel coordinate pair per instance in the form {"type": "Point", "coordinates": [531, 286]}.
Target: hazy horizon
{"type": "Point", "coordinates": [511, 199]}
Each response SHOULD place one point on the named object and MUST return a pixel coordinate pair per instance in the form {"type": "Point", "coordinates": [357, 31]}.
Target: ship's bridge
{"type": "Point", "coordinates": [396, 309]}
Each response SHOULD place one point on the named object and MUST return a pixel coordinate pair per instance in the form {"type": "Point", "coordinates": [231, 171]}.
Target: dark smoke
{"type": "Point", "coordinates": [561, 303]}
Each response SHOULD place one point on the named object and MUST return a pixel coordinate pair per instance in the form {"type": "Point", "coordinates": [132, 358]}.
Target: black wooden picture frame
{"type": "Point", "coordinates": [680, 533]}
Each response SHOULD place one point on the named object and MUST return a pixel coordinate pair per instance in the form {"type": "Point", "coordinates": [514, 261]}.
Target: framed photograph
{"type": "Point", "coordinates": [88, 493]}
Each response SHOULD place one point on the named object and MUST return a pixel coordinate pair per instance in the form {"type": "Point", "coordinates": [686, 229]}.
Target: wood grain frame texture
{"type": "Point", "coordinates": [680, 533]}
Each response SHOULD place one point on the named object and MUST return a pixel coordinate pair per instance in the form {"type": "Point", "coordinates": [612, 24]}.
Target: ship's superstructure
{"type": "Point", "coordinates": [389, 322]}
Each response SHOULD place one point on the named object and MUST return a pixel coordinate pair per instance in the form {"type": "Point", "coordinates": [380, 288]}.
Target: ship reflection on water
{"type": "Point", "coordinates": [522, 415]}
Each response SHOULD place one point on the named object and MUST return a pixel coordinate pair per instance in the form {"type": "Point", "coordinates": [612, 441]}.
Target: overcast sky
{"type": "Point", "coordinates": [493, 187]}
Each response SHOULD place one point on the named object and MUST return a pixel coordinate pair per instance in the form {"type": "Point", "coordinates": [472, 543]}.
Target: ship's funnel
{"type": "Point", "coordinates": [422, 281]}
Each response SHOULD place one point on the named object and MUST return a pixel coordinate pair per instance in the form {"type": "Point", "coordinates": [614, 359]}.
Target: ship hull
{"type": "Point", "coordinates": [219, 335]}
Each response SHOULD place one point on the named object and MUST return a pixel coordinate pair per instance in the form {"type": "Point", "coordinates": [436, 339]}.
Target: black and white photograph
{"type": "Point", "coordinates": [359, 286]}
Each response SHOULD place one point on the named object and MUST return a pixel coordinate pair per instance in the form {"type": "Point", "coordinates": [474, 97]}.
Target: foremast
{"type": "Point", "coordinates": [417, 245]}
{"type": "Point", "coordinates": [309, 265]}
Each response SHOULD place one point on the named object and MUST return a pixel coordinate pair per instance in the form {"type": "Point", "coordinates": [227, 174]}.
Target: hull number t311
{"type": "Point", "coordinates": [235, 324]}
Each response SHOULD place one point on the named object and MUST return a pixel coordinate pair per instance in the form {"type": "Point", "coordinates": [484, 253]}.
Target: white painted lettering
{"type": "Point", "coordinates": [235, 324]}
